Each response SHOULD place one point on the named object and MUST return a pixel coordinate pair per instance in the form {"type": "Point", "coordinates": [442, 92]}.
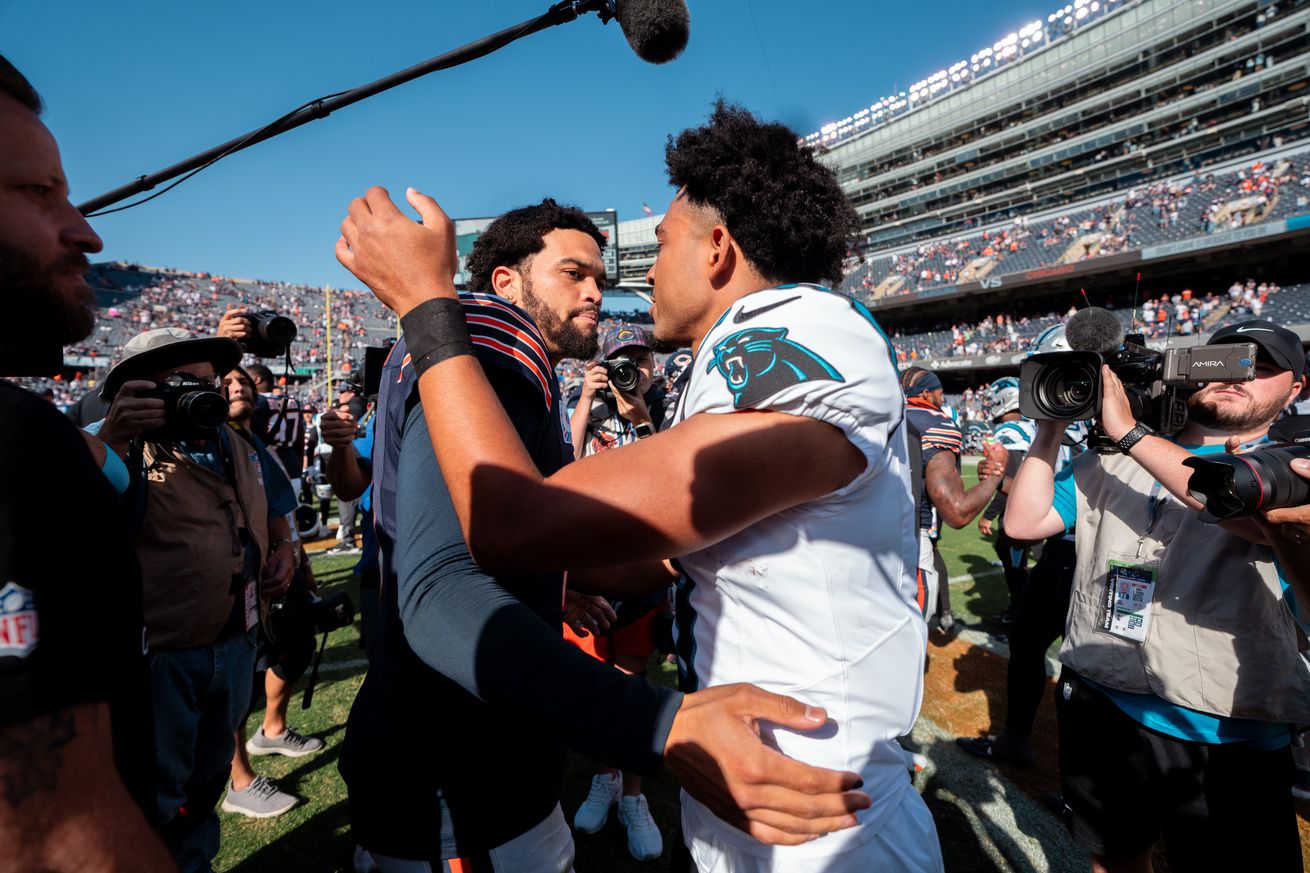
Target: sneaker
{"type": "Point", "coordinates": [342, 548]}
{"type": "Point", "coordinates": [947, 623]}
{"type": "Point", "coordinates": [259, 799]}
{"type": "Point", "coordinates": [291, 744]}
{"type": "Point", "coordinates": [644, 840]}
{"type": "Point", "coordinates": [595, 810]}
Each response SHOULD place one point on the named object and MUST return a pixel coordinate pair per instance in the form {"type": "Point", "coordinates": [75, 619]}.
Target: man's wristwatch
{"type": "Point", "coordinates": [1133, 437]}
{"type": "Point", "coordinates": [643, 429]}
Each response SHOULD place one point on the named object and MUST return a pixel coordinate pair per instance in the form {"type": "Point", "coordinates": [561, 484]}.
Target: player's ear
{"type": "Point", "coordinates": [721, 255]}
{"type": "Point", "coordinates": [508, 283]}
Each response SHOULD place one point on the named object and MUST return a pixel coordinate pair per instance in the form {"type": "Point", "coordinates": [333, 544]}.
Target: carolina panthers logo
{"type": "Point", "coordinates": [759, 362]}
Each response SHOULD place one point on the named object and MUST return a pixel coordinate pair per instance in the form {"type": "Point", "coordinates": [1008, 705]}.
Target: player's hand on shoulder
{"type": "Point", "coordinates": [715, 751]}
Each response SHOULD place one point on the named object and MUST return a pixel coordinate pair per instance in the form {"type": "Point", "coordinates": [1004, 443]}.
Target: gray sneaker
{"type": "Point", "coordinates": [291, 744]}
{"type": "Point", "coordinates": [259, 799]}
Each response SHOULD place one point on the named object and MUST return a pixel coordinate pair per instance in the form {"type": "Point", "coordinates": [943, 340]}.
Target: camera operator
{"type": "Point", "coordinates": [212, 539]}
{"type": "Point", "coordinates": [626, 416]}
{"type": "Point", "coordinates": [1182, 675]}
{"type": "Point", "coordinates": [75, 748]}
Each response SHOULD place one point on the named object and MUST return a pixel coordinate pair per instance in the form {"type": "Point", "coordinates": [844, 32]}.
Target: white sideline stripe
{"type": "Point", "coordinates": [969, 577]}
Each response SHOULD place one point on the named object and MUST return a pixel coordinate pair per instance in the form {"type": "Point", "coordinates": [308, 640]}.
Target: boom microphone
{"type": "Point", "coordinates": [1094, 330]}
{"type": "Point", "coordinates": [657, 30]}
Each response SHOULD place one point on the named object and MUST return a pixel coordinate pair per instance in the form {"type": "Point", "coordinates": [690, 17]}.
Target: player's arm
{"type": "Point", "coordinates": [1030, 512]}
{"type": "Point", "coordinates": [348, 477]}
{"type": "Point", "coordinates": [957, 505]}
{"type": "Point", "coordinates": [713, 744]}
{"type": "Point", "coordinates": [62, 805]}
{"type": "Point", "coordinates": [628, 582]}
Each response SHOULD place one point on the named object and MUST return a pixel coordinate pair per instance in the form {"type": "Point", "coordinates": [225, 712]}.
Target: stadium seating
{"type": "Point", "coordinates": [1150, 215]}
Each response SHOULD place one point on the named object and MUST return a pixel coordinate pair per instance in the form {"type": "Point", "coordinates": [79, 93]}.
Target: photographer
{"type": "Point", "coordinates": [212, 538]}
{"type": "Point", "coordinates": [606, 416]}
{"type": "Point", "coordinates": [1182, 673]}
{"type": "Point", "coordinates": [280, 662]}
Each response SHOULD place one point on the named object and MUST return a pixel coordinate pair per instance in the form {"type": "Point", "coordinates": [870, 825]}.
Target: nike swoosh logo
{"type": "Point", "coordinates": [745, 314]}
{"type": "Point", "coordinates": [1253, 330]}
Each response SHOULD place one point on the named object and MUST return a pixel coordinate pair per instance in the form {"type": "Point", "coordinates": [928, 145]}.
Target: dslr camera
{"type": "Point", "coordinates": [623, 373]}
{"type": "Point", "coordinates": [1232, 486]}
{"type": "Point", "coordinates": [270, 334]}
{"type": "Point", "coordinates": [192, 409]}
{"type": "Point", "coordinates": [624, 376]}
{"type": "Point", "coordinates": [1066, 386]}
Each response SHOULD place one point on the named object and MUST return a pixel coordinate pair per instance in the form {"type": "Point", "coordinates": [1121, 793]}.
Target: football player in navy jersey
{"type": "Point", "coordinates": [783, 488]}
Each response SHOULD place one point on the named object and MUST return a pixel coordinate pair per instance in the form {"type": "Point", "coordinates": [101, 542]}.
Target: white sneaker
{"type": "Point", "coordinates": [595, 810]}
{"type": "Point", "coordinates": [644, 840]}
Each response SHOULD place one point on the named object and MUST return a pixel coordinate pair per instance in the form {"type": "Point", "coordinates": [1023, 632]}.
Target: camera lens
{"type": "Point", "coordinates": [1068, 391]}
{"type": "Point", "coordinates": [1235, 485]}
{"type": "Point", "coordinates": [204, 410]}
{"type": "Point", "coordinates": [278, 330]}
{"type": "Point", "coordinates": [624, 375]}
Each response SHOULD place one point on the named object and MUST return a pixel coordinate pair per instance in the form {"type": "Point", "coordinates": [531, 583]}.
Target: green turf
{"type": "Point", "coordinates": [315, 835]}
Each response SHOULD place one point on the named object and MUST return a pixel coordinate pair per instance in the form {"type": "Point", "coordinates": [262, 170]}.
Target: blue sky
{"type": "Point", "coordinates": [569, 113]}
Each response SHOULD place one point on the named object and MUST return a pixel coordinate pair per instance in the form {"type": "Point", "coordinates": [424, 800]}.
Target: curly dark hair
{"type": "Point", "coordinates": [783, 207]}
{"type": "Point", "coordinates": [513, 239]}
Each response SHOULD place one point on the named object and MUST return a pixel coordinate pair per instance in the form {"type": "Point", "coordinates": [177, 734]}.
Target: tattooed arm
{"type": "Point", "coordinates": [946, 490]}
{"type": "Point", "coordinates": [63, 808]}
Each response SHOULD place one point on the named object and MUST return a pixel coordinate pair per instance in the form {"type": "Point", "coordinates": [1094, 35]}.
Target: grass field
{"type": "Point", "coordinates": [315, 835]}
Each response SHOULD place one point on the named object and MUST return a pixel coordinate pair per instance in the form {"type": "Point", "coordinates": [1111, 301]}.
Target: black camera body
{"type": "Point", "coordinates": [1066, 386]}
{"type": "Point", "coordinates": [271, 334]}
{"type": "Point", "coordinates": [192, 409]}
{"type": "Point", "coordinates": [624, 373]}
{"type": "Point", "coordinates": [1233, 486]}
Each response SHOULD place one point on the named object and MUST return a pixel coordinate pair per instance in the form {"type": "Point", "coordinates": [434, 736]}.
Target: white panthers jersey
{"type": "Point", "coordinates": [818, 601]}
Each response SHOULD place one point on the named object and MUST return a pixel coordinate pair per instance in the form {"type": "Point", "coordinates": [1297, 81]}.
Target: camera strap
{"type": "Point", "coordinates": [307, 699]}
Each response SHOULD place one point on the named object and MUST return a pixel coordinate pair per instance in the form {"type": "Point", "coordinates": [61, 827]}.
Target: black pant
{"type": "Point", "coordinates": [1039, 622]}
{"type": "Point", "coordinates": [1014, 561]}
{"type": "Point", "coordinates": [1218, 807]}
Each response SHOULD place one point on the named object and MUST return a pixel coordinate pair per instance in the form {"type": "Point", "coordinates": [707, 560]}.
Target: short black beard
{"type": "Point", "coordinates": [568, 341]}
{"type": "Point", "coordinates": [39, 319]}
{"type": "Point", "coordinates": [1224, 421]}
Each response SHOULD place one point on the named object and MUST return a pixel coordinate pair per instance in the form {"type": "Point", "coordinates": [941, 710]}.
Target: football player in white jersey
{"type": "Point", "coordinates": [782, 492]}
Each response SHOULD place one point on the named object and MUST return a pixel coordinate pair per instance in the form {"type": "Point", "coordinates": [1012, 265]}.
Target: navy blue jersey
{"type": "Point", "coordinates": [473, 688]}
{"type": "Point", "coordinates": [938, 432]}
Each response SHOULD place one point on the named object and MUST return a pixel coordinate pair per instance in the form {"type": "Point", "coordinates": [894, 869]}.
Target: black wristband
{"type": "Point", "coordinates": [1133, 437]}
{"type": "Point", "coordinates": [434, 331]}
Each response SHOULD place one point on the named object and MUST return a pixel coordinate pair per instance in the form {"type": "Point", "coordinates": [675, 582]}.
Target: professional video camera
{"type": "Point", "coordinates": [1066, 386]}
{"type": "Point", "coordinates": [192, 409]}
{"type": "Point", "coordinates": [270, 334]}
{"type": "Point", "coordinates": [1231, 486]}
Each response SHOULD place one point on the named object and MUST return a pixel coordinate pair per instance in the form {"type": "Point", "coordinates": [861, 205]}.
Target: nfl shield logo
{"type": "Point", "coordinates": [18, 628]}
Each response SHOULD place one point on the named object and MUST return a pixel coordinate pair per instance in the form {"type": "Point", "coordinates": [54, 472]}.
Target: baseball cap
{"type": "Point", "coordinates": [1280, 345]}
{"type": "Point", "coordinates": [621, 338]}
